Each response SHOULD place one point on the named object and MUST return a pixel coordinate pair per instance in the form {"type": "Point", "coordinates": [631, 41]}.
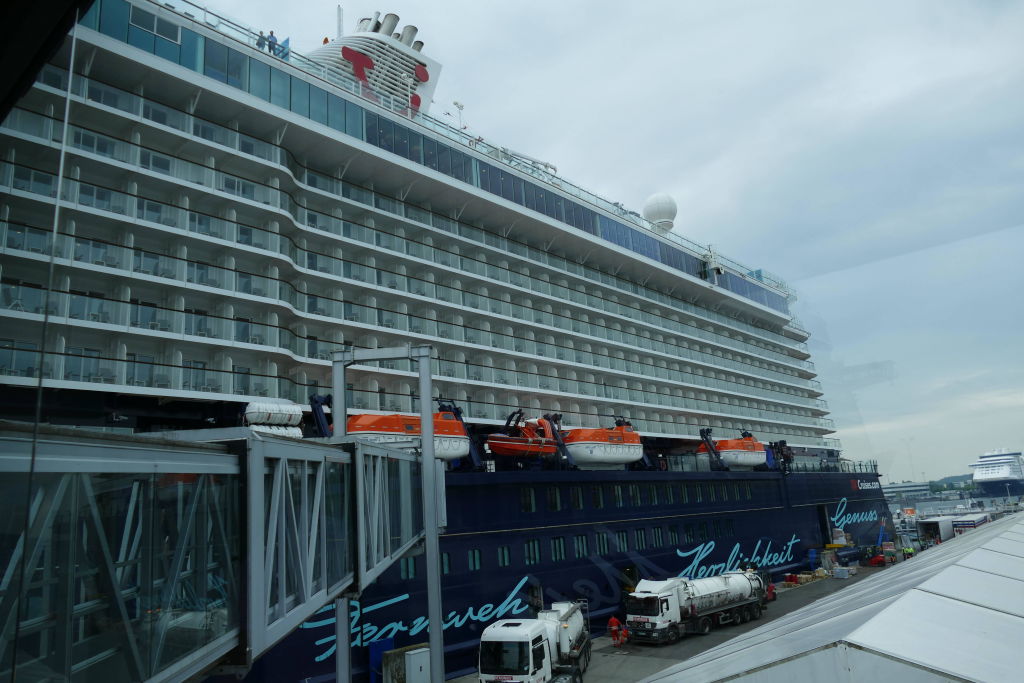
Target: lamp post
{"type": "Point", "coordinates": [460, 106]}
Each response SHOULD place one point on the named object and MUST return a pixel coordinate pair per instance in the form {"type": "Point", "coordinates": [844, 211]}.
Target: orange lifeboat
{"type": "Point", "coordinates": [611, 446]}
{"type": "Point", "coordinates": [524, 438]}
{"type": "Point", "coordinates": [745, 451]}
{"type": "Point", "coordinates": [450, 438]}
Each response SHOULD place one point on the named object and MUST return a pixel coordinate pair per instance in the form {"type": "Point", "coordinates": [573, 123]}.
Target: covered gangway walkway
{"type": "Point", "coordinates": [125, 558]}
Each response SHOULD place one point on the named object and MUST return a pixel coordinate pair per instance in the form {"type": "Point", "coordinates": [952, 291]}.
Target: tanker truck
{"type": "Point", "coordinates": [662, 611]}
{"type": "Point", "coordinates": [556, 643]}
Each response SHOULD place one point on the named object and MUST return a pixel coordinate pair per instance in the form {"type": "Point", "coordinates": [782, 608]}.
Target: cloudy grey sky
{"type": "Point", "coordinates": [870, 153]}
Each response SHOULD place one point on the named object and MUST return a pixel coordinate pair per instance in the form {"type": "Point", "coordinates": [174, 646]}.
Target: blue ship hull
{"type": "Point", "coordinates": [514, 539]}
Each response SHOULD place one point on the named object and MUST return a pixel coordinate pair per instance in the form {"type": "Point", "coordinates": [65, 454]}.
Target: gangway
{"type": "Point", "coordinates": [154, 558]}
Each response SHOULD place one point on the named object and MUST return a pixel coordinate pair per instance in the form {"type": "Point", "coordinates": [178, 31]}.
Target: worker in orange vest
{"type": "Point", "coordinates": [615, 630]}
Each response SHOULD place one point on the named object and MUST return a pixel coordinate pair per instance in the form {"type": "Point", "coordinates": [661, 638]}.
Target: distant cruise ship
{"type": "Point", "coordinates": [1000, 473]}
{"type": "Point", "coordinates": [226, 218]}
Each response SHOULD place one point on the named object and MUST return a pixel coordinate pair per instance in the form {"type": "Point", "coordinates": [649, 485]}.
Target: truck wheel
{"type": "Point", "coordinates": [736, 616]}
{"type": "Point", "coordinates": [577, 677]}
{"type": "Point", "coordinates": [745, 614]}
{"type": "Point", "coordinates": [585, 660]}
{"type": "Point", "coordinates": [704, 626]}
{"type": "Point", "coordinates": [673, 635]}
{"type": "Point", "coordinates": [755, 611]}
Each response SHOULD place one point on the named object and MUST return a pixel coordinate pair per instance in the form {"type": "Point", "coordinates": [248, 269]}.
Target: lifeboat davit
{"type": "Point", "coordinates": [524, 438]}
{"type": "Point", "coordinates": [450, 439]}
{"type": "Point", "coordinates": [610, 446]}
{"type": "Point", "coordinates": [745, 451]}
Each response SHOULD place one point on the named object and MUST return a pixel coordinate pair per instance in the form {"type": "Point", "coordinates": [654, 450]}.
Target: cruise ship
{"type": "Point", "coordinates": [999, 473]}
{"type": "Point", "coordinates": [190, 222]}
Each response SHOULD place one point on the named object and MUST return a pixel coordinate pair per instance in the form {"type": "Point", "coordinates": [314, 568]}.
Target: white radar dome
{"type": "Point", "coordinates": [660, 209]}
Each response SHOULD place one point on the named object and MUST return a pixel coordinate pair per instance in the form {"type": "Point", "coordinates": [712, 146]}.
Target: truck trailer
{"type": "Point", "coordinates": [556, 643]}
{"type": "Point", "coordinates": [663, 611]}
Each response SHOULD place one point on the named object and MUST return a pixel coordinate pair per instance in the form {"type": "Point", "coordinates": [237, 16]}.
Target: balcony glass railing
{"type": "Point", "coordinates": [105, 94]}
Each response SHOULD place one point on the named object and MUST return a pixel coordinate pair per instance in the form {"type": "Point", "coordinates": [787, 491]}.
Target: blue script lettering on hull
{"type": "Point", "coordinates": [841, 518]}
{"type": "Point", "coordinates": [364, 633]}
{"type": "Point", "coordinates": [698, 569]}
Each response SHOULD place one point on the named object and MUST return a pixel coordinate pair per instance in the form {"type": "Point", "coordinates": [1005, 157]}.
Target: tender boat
{"type": "Point", "coordinates": [524, 438]}
{"type": "Point", "coordinates": [610, 446]}
{"type": "Point", "coordinates": [745, 451]}
{"type": "Point", "coordinates": [450, 439]}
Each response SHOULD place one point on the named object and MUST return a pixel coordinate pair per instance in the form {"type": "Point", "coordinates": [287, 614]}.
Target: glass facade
{"type": "Point", "coordinates": [294, 270]}
{"type": "Point", "coordinates": [232, 67]}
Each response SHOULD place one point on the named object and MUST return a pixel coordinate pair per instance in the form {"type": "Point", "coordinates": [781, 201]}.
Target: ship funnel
{"type": "Point", "coordinates": [387, 26]}
{"type": "Point", "coordinates": [364, 24]}
{"type": "Point", "coordinates": [408, 33]}
{"type": "Point", "coordinates": [418, 46]}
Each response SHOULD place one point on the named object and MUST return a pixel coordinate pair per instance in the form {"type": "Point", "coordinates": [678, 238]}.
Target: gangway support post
{"type": "Point", "coordinates": [422, 355]}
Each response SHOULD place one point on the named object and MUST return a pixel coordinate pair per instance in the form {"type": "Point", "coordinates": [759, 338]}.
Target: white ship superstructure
{"type": "Point", "coordinates": [228, 218]}
{"type": "Point", "coordinates": [1000, 472]}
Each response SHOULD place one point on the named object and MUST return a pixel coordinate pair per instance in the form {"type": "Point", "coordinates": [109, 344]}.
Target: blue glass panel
{"type": "Point", "coordinates": [92, 17]}
{"type": "Point", "coordinates": [444, 159]}
{"type": "Point", "coordinates": [114, 19]}
{"type": "Point", "coordinates": [416, 147]}
{"type": "Point", "coordinates": [168, 49]}
{"type": "Point", "coordinates": [458, 165]}
{"type": "Point", "coordinates": [318, 104]}
{"type": "Point", "coordinates": [354, 120]}
{"type": "Point", "coordinates": [589, 221]}
{"type": "Point", "coordinates": [140, 38]}
{"type": "Point", "coordinates": [385, 134]}
{"type": "Point", "coordinates": [401, 141]}
{"type": "Point", "coordinates": [430, 155]}
{"type": "Point", "coordinates": [216, 65]}
{"type": "Point", "coordinates": [336, 112]}
{"type": "Point", "coordinates": [259, 79]}
{"type": "Point", "coordinates": [300, 97]}
{"type": "Point", "coordinates": [192, 50]}
{"type": "Point", "coordinates": [530, 196]}
{"type": "Point", "coordinates": [644, 245]}
{"type": "Point", "coordinates": [280, 88]}
{"type": "Point", "coordinates": [372, 134]}
{"type": "Point", "coordinates": [238, 70]}
{"type": "Point", "coordinates": [485, 175]}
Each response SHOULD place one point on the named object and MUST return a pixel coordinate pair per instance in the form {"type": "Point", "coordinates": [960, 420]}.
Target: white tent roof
{"type": "Point", "coordinates": [955, 612]}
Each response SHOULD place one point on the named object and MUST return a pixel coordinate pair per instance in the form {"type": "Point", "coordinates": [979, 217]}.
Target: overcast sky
{"type": "Point", "coordinates": [870, 153]}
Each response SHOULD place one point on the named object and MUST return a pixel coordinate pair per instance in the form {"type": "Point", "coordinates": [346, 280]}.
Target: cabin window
{"type": "Point", "coordinates": [702, 531]}
{"type": "Point", "coordinates": [474, 560]}
{"type": "Point", "coordinates": [749, 496]}
{"type": "Point", "coordinates": [554, 499]}
{"type": "Point", "coordinates": [622, 541]}
{"type": "Point", "coordinates": [601, 541]}
{"type": "Point", "coordinates": [597, 496]}
{"type": "Point", "coordinates": [407, 567]}
{"type": "Point", "coordinates": [576, 496]}
{"type": "Point", "coordinates": [617, 495]}
{"type": "Point", "coordinates": [528, 500]}
{"type": "Point", "coordinates": [557, 548]}
{"type": "Point", "coordinates": [723, 492]}
{"type": "Point", "coordinates": [634, 495]}
{"type": "Point", "coordinates": [659, 538]}
{"type": "Point", "coordinates": [710, 492]}
{"type": "Point", "coordinates": [503, 558]}
{"type": "Point", "coordinates": [673, 535]}
{"type": "Point", "coordinates": [652, 494]}
{"type": "Point", "coordinates": [690, 534]}
{"type": "Point", "coordinates": [729, 530]}
{"type": "Point", "coordinates": [684, 496]}
{"type": "Point", "coordinates": [666, 494]}
{"type": "Point", "coordinates": [736, 491]}
{"type": "Point", "coordinates": [531, 552]}
{"type": "Point", "coordinates": [446, 565]}
{"type": "Point", "coordinates": [697, 493]}
{"type": "Point", "coordinates": [641, 539]}
{"type": "Point", "coordinates": [580, 545]}
{"type": "Point", "coordinates": [716, 528]}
